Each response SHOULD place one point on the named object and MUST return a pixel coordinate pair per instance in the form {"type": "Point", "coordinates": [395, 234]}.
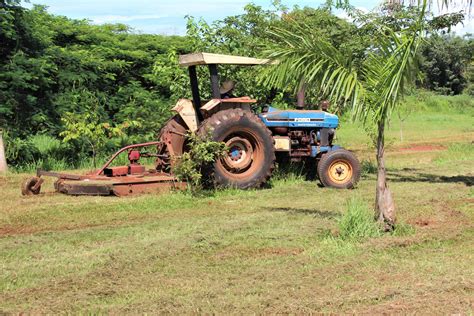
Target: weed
{"type": "Point", "coordinates": [357, 223]}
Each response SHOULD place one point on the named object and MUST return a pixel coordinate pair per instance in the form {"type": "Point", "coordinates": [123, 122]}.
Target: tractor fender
{"type": "Point", "coordinates": [185, 109]}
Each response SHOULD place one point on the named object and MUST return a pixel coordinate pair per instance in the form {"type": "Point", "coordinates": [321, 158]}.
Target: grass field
{"type": "Point", "coordinates": [274, 250]}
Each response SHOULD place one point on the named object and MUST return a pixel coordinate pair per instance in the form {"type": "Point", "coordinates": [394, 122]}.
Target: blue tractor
{"type": "Point", "coordinates": [255, 135]}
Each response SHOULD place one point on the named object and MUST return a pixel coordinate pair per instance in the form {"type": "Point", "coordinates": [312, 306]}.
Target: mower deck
{"type": "Point", "coordinates": [118, 186]}
{"type": "Point", "coordinates": [118, 181]}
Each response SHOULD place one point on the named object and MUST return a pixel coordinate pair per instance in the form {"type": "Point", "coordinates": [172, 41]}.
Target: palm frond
{"type": "Point", "coordinates": [388, 70]}
{"type": "Point", "coordinates": [305, 58]}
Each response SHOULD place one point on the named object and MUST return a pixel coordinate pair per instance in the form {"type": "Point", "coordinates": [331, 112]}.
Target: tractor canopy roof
{"type": "Point", "coordinates": [213, 59]}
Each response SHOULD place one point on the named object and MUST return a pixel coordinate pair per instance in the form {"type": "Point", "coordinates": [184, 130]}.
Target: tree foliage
{"type": "Point", "coordinates": [88, 128]}
{"type": "Point", "coordinates": [445, 63]}
{"type": "Point", "coordinates": [50, 65]}
{"type": "Point", "coordinates": [248, 35]}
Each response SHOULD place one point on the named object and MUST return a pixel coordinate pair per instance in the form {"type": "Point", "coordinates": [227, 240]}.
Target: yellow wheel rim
{"type": "Point", "coordinates": [340, 171]}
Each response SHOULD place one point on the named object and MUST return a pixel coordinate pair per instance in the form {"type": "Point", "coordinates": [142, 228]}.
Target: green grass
{"type": "Point", "coordinates": [456, 152]}
{"type": "Point", "coordinates": [431, 119]}
{"type": "Point", "coordinates": [291, 248]}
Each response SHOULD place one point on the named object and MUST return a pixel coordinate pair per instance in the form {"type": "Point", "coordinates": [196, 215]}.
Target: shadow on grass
{"type": "Point", "coordinates": [432, 178]}
{"type": "Point", "coordinates": [306, 211]}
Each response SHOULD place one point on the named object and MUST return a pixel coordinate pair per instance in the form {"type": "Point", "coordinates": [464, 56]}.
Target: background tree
{"type": "Point", "coordinates": [51, 65]}
{"type": "Point", "coordinates": [445, 62]}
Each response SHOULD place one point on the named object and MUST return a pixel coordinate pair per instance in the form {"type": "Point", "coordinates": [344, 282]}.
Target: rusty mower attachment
{"type": "Point", "coordinates": [117, 180]}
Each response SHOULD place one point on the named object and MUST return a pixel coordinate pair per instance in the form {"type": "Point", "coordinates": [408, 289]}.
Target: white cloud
{"type": "Point", "coordinates": [363, 9]}
{"type": "Point", "coordinates": [467, 27]}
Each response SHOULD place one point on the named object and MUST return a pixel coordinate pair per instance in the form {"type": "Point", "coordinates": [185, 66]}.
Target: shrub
{"type": "Point", "coordinates": [19, 151]}
{"type": "Point", "coordinates": [50, 147]}
{"type": "Point", "coordinates": [202, 152]}
{"type": "Point", "coordinates": [45, 143]}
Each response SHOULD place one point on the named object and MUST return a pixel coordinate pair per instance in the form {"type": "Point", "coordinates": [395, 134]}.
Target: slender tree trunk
{"type": "Point", "coordinates": [401, 130]}
{"type": "Point", "coordinates": [3, 158]}
{"type": "Point", "coordinates": [93, 156]}
{"type": "Point", "coordinates": [384, 204]}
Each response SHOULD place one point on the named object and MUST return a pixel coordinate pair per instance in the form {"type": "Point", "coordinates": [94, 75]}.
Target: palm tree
{"type": "Point", "coordinates": [372, 89]}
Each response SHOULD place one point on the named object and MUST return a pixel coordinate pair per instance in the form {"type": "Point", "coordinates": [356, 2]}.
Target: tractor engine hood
{"type": "Point", "coordinates": [299, 118]}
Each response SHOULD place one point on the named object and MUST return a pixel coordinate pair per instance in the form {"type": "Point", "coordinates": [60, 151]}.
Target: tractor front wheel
{"type": "Point", "coordinates": [251, 157]}
{"type": "Point", "coordinates": [30, 186]}
{"type": "Point", "coordinates": [339, 169]}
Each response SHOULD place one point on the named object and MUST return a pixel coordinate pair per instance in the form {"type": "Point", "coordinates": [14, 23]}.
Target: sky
{"type": "Point", "coordinates": [168, 16]}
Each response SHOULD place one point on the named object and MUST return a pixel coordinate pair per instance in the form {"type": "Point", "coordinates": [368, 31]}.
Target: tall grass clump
{"type": "Point", "coordinates": [460, 103]}
{"type": "Point", "coordinates": [45, 144]}
{"type": "Point", "coordinates": [358, 223]}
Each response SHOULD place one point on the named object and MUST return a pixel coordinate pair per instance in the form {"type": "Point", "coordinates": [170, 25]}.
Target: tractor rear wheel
{"type": "Point", "coordinates": [339, 169]}
{"type": "Point", "coordinates": [251, 157]}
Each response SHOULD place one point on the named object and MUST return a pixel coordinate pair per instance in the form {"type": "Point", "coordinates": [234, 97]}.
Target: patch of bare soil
{"type": "Point", "coordinates": [423, 222]}
{"type": "Point", "coordinates": [10, 230]}
{"type": "Point", "coordinates": [7, 231]}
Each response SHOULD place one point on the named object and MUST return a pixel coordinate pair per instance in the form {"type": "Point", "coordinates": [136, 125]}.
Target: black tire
{"type": "Point", "coordinates": [27, 186]}
{"type": "Point", "coordinates": [339, 169]}
{"type": "Point", "coordinates": [251, 157]}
